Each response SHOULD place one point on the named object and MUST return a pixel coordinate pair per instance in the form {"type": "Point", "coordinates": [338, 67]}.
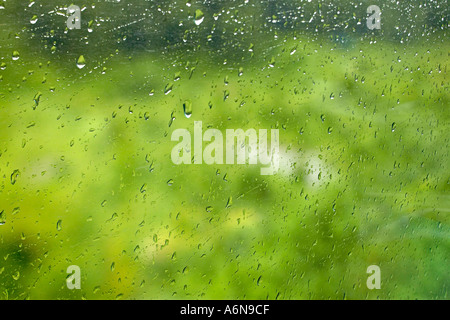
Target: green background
{"type": "Point", "coordinates": [86, 176]}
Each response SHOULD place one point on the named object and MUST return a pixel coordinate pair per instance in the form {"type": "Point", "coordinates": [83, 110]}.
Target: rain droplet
{"type": "Point", "coordinates": [168, 88]}
{"type": "Point", "coordinates": [90, 24]}
{"type": "Point", "coordinates": [14, 176]}
{"type": "Point", "coordinates": [187, 108]}
{"type": "Point", "coordinates": [322, 117]}
{"type": "Point", "coordinates": [16, 275]}
{"type": "Point", "coordinates": [59, 225]}
{"type": "Point", "coordinates": [272, 62]}
{"type": "Point", "coordinates": [36, 99]}
{"type": "Point", "coordinates": [2, 218]}
{"type": "Point", "coordinates": [119, 296]}
{"type": "Point", "coordinates": [15, 55]}
{"type": "Point", "coordinates": [229, 202]}
{"type": "Point", "coordinates": [34, 19]}
{"type": "Point", "coordinates": [394, 126]}
{"type": "Point", "coordinates": [199, 17]}
{"type": "Point", "coordinates": [81, 62]}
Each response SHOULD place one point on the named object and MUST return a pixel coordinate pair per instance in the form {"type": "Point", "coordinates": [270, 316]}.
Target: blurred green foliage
{"type": "Point", "coordinates": [87, 178]}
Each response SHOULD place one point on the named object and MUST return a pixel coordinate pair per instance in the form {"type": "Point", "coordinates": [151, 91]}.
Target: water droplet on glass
{"type": "Point", "coordinates": [168, 88]}
{"type": "Point", "coordinates": [15, 55]}
{"type": "Point", "coordinates": [229, 202]}
{"type": "Point", "coordinates": [34, 19]}
{"type": "Point", "coordinates": [59, 225]}
{"type": "Point", "coordinates": [2, 218]}
{"type": "Point", "coordinates": [90, 24]}
{"type": "Point", "coordinates": [36, 99]}
{"type": "Point", "coordinates": [187, 108]}
{"type": "Point", "coordinates": [322, 117]}
{"type": "Point", "coordinates": [394, 126]}
{"type": "Point", "coordinates": [14, 176]}
{"type": "Point", "coordinates": [16, 275]}
{"type": "Point", "coordinates": [272, 62]}
{"type": "Point", "coordinates": [81, 62]}
{"type": "Point", "coordinates": [199, 17]}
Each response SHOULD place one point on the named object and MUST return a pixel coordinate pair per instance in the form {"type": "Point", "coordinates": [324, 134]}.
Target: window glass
{"type": "Point", "coordinates": [231, 149]}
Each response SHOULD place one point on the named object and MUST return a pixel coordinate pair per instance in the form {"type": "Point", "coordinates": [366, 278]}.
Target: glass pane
{"type": "Point", "coordinates": [231, 149]}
